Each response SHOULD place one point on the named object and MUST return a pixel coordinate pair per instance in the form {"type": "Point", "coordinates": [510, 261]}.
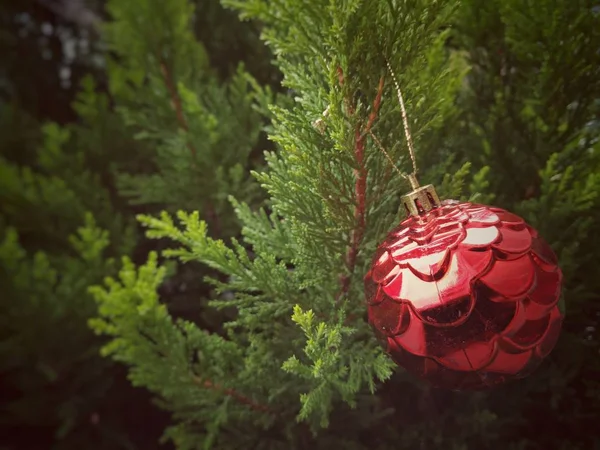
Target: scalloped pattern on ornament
{"type": "Point", "coordinates": [465, 296]}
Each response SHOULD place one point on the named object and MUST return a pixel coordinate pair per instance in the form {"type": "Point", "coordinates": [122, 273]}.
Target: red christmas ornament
{"type": "Point", "coordinates": [464, 295]}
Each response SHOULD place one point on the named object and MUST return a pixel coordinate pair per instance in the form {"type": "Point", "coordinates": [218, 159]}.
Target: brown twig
{"type": "Point", "coordinates": [340, 74]}
{"type": "Point", "coordinates": [211, 214]}
{"type": "Point", "coordinates": [360, 188]}
{"type": "Point", "coordinates": [376, 104]}
{"type": "Point", "coordinates": [207, 384]}
{"type": "Point", "coordinates": [176, 103]}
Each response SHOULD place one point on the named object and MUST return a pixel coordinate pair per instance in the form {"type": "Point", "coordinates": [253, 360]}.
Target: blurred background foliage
{"type": "Point", "coordinates": [65, 143]}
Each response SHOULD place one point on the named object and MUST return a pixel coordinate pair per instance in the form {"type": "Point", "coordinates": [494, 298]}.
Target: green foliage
{"type": "Point", "coordinates": [189, 368]}
{"type": "Point", "coordinates": [66, 174]}
{"type": "Point", "coordinates": [228, 42]}
{"type": "Point", "coordinates": [49, 359]}
{"type": "Point", "coordinates": [323, 350]}
{"type": "Point", "coordinates": [51, 200]}
{"type": "Point", "coordinates": [199, 131]}
{"type": "Point", "coordinates": [534, 71]}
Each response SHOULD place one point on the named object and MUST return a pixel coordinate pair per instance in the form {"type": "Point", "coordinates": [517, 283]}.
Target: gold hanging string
{"type": "Point", "coordinates": [404, 118]}
{"type": "Point", "coordinates": [412, 176]}
{"type": "Point", "coordinates": [378, 142]}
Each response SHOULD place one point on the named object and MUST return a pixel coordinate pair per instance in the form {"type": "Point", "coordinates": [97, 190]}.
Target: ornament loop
{"type": "Point", "coordinates": [421, 199]}
{"type": "Point", "coordinates": [412, 179]}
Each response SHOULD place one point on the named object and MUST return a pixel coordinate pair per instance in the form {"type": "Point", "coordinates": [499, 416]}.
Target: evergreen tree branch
{"type": "Point", "coordinates": [360, 188]}
{"type": "Point", "coordinates": [230, 393]}
{"type": "Point", "coordinates": [212, 217]}
{"type": "Point", "coordinates": [176, 102]}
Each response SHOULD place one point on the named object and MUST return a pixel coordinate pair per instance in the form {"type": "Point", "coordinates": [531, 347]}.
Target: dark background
{"type": "Point", "coordinates": [46, 48]}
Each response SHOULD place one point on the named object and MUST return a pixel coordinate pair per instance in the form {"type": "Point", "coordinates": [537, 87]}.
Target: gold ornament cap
{"type": "Point", "coordinates": [421, 199]}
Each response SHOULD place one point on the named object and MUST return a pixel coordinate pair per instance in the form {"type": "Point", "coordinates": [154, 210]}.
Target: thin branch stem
{"type": "Point", "coordinates": [404, 118]}
{"type": "Point", "coordinates": [212, 216]}
{"type": "Point", "coordinates": [176, 103]}
{"type": "Point", "coordinates": [360, 188]}
{"type": "Point", "coordinates": [207, 384]}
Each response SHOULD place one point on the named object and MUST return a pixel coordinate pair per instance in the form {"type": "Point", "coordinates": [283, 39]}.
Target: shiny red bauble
{"type": "Point", "coordinates": [465, 296]}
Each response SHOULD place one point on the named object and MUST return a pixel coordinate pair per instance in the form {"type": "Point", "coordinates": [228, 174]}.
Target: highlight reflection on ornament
{"type": "Point", "coordinates": [464, 295]}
